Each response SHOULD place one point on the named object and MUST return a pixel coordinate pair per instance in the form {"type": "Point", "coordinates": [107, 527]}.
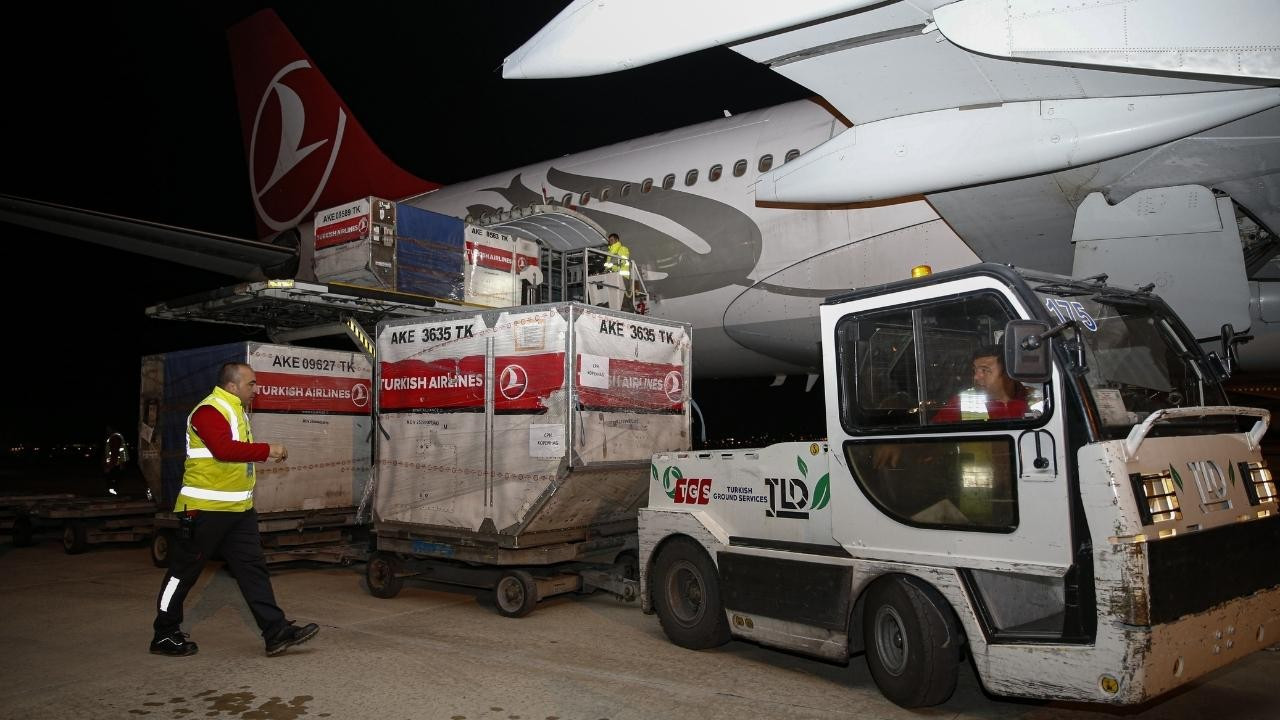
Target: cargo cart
{"type": "Point", "coordinates": [85, 521]}
{"type": "Point", "coordinates": [514, 447]}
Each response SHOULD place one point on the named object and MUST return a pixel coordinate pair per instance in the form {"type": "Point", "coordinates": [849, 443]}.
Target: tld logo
{"type": "Point", "coordinates": [693, 491]}
{"type": "Point", "coordinates": [789, 497]}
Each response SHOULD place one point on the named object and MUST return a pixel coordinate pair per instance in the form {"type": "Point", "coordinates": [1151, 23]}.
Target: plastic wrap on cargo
{"type": "Point", "coordinates": [429, 254]}
{"type": "Point", "coordinates": [355, 243]}
{"type": "Point", "coordinates": [496, 266]}
{"type": "Point", "coordinates": [632, 386]}
{"type": "Point", "coordinates": [359, 263]}
{"type": "Point", "coordinates": [487, 415]}
{"type": "Point", "coordinates": [316, 402]}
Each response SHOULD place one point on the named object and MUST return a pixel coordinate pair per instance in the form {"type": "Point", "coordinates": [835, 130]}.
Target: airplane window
{"type": "Point", "coordinates": [586, 197]}
{"type": "Point", "coordinates": [669, 181]}
{"type": "Point", "coordinates": [691, 177]}
{"type": "Point", "coordinates": [714, 173]}
{"type": "Point", "coordinates": [647, 185]}
{"type": "Point", "coordinates": [740, 168]}
{"type": "Point", "coordinates": [604, 194]}
{"type": "Point", "coordinates": [626, 189]}
{"type": "Point", "coordinates": [766, 162]}
{"type": "Point", "coordinates": [792, 154]}
{"type": "Point", "coordinates": [568, 200]}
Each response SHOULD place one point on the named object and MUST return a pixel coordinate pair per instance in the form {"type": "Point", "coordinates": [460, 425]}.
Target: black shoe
{"type": "Point", "coordinates": [175, 644]}
{"type": "Point", "coordinates": [291, 635]}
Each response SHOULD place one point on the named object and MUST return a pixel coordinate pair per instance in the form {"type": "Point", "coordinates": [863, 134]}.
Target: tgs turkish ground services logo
{"type": "Point", "coordinates": [683, 490]}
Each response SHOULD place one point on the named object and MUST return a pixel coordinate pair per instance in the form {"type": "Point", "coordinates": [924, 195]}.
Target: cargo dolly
{"type": "Point", "coordinates": [604, 559]}
{"type": "Point", "coordinates": [14, 520]}
{"type": "Point", "coordinates": [331, 535]}
{"type": "Point", "coordinates": [85, 521]}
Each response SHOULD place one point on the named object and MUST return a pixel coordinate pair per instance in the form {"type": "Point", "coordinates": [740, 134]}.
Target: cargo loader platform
{"type": "Point", "coordinates": [291, 310]}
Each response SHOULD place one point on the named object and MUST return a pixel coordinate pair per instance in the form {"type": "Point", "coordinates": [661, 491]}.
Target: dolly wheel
{"type": "Point", "coordinates": [161, 543]}
{"type": "Point", "coordinates": [380, 575]}
{"type": "Point", "coordinates": [75, 538]}
{"type": "Point", "coordinates": [516, 593]}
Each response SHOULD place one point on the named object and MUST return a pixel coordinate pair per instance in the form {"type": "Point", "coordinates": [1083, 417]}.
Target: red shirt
{"type": "Point", "coordinates": [214, 430]}
{"type": "Point", "coordinates": [1013, 409]}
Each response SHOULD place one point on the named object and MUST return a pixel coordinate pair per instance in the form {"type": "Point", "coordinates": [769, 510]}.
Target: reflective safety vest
{"type": "Point", "coordinates": [973, 405]}
{"type": "Point", "coordinates": [619, 259]}
{"type": "Point", "coordinates": [209, 483]}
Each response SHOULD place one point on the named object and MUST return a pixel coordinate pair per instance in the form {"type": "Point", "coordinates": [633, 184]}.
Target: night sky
{"type": "Point", "coordinates": [131, 110]}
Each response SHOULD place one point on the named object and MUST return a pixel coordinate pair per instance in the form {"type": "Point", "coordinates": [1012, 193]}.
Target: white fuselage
{"type": "Point", "coordinates": [747, 277]}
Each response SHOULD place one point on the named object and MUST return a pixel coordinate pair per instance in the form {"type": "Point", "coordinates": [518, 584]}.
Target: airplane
{"type": "Point", "coordinates": [1077, 138]}
{"type": "Point", "coordinates": [746, 273]}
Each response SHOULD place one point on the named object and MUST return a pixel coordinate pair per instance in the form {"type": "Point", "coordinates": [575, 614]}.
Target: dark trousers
{"type": "Point", "coordinates": [233, 535]}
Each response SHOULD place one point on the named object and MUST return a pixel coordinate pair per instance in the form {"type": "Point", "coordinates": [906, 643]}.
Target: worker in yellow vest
{"type": "Point", "coordinates": [619, 258]}
{"type": "Point", "coordinates": [216, 515]}
{"type": "Point", "coordinates": [618, 261]}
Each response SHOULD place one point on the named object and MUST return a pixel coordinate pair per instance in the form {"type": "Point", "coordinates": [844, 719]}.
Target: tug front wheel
{"type": "Point", "coordinates": [913, 644]}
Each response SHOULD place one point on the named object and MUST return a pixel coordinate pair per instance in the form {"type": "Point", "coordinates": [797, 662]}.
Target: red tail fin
{"type": "Point", "coordinates": [305, 148]}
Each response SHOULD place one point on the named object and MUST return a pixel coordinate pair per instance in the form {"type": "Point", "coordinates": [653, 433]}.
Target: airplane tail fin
{"type": "Point", "coordinates": [305, 149]}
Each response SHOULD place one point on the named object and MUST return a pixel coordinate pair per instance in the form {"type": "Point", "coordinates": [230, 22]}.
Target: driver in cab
{"type": "Point", "coordinates": [994, 395]}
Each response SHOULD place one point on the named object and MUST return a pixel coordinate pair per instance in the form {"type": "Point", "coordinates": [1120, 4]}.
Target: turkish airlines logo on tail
{"type": "Point", "coordinates": [275, 196]}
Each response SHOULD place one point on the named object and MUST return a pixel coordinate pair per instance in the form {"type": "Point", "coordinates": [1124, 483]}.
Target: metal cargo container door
{"type": "Point", "coordinates": [527, 411]}
{"type": "Point", "coordinates": [631, 383]}
{"type": "Point", "coordinates": [431, 403]}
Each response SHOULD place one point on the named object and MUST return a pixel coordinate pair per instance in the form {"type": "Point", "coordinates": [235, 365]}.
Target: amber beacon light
{"type": "Point", "coordinates": [920, 271]}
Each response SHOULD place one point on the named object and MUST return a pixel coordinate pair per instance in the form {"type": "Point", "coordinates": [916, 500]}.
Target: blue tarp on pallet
{"type": "Point", "coordinates": [430, 252]}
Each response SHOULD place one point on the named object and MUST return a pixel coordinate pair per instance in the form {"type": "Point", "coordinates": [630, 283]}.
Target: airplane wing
{"type": "Point", "coordinates": [245, 259]}
{"type": "Point", "coordinates": [901, 58]}
{"type": "Point", "coordinates": [1005, 114]}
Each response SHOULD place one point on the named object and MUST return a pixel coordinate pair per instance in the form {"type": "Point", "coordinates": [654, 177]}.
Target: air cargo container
{"type": "Point", "coordinates": [380, 244]}
{"type": "Point", "coordinates": [315, 402]}
{"type": "Point", "coordinates": [520, 441]}
{"type": "Point", "coordinates": [355, 243]}
{"type": "Point", "coordinates": [499, 267]}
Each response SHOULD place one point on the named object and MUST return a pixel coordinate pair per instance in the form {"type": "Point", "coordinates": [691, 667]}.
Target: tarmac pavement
{"type": "Point", "coordinates": [75, 630]}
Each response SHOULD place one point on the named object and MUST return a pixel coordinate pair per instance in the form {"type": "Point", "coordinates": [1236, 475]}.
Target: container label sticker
{"type": "Point", "coordinates": [546, 441]}
{"type": "Point", "coordinates": [594, 372]}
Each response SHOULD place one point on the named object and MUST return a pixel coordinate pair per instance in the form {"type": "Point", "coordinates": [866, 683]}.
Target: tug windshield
{"type": "Point", "coordinates": [1137, 357]}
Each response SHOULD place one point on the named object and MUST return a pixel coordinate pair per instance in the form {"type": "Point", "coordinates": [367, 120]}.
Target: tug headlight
{"type": "Point", "coordinates": [1260, 484]}
{"type": "Point", "coordinates": [1157, 497]}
